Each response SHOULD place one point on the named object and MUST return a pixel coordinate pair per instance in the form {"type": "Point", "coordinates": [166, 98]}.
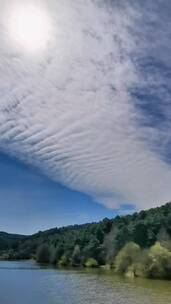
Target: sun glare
{"type": "Point", "coordinates": [29, 27]}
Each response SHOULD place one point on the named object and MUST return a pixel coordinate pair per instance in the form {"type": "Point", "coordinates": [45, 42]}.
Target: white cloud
{"type": "Point", "coordinates": [68, 110]}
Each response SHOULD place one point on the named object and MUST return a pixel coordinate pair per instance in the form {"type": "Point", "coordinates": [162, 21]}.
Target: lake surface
{"type": "Point", "coordinates": [27, 283]}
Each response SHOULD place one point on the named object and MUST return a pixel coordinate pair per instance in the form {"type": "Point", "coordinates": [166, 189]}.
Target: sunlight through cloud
{"type": "Point", "coordinates": [29, 26]}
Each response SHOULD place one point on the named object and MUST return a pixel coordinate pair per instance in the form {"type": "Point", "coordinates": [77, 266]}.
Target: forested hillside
{"type": "Point", "coordinates": [118, 242]}
{"type": "Point", "coordinates": [8, 241]}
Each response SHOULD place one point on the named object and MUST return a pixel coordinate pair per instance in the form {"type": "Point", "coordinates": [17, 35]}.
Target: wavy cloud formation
{"type": "Point", "coordinates": [84, 110]}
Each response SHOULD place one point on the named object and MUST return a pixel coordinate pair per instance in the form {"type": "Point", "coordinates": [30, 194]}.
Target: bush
{"type": "Point", "coordinates": [152, 263]}
{"type": "Point", "coordinates": [91, 262]}
{"type": "Point", "coordinates": [127, 256]}
{"type": "Point", "coordinates": [63, 261]}
{"type": "Point", "coordinates": [159, 262]}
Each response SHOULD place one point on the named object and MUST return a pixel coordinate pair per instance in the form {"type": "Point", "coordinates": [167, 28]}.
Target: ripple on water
{"type": "Point", "coordinates": [28, 283]}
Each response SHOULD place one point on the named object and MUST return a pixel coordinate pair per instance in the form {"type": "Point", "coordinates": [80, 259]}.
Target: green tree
{"type": "Point", "coordinates": [43, 254]}
{"type": "Point", "coordinates": [56, 254]}
{"type": "Point", "coordinates": [76, 256]}
{"type": "Point", "coordinates": [128, 255]}
{"type": "Point", "coordinates": [141, 234]}
{"type": "Point", "coordinates": [159, 262]}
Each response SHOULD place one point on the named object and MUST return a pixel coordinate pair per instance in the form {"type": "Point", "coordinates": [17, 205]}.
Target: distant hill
{"type": "Point", "coordinates": [8, 240]}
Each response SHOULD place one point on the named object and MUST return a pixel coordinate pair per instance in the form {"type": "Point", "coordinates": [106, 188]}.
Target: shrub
{"type": "Point", "coordinates": [63, 261]}
{"type": "Point", "coordinates": [159, 262]}
{"type": "Point", "coordinates": [91, 262]}
{"type": "Point", "coordinates": [128, 255]}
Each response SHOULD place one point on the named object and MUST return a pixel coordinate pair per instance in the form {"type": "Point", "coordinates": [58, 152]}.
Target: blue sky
{"type": "Point", "coordinates": [30, 202]}
{"type": "Point", "coordinates": [85, 107]}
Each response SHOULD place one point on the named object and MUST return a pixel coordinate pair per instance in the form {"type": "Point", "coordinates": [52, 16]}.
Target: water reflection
{"type": "Point", "coordinates": [28, 283]}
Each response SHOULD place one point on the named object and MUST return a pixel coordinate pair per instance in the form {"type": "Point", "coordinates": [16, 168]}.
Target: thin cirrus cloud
{"type": "Point", "coordinates": [92, 109]}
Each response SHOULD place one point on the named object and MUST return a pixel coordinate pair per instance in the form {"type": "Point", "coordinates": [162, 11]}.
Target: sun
{"type": "Point", "coordinates": [29, 27]}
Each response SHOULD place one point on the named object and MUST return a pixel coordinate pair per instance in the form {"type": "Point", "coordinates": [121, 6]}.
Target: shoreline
{"type": "Point", "coordinates": [102, 269]}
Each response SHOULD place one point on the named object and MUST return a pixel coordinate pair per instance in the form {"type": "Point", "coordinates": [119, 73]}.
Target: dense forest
{"type": "Point", "coordinates": [135, 245]}
{"type": "Point", "coordinates": [8, 241]}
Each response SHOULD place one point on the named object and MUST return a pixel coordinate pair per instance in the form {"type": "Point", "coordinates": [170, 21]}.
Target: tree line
{"type": "Point", "coordinates": [135, 245]}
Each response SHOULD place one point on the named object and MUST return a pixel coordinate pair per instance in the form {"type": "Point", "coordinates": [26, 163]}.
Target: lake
{"type": "Point", "coordinates": [27, 283]}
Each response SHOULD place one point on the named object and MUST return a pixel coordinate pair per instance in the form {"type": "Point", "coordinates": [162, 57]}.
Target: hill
{"type": "Point", "coordinates": [9, 241]}
{"type": "Point", "coordinates": [94, 243]}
